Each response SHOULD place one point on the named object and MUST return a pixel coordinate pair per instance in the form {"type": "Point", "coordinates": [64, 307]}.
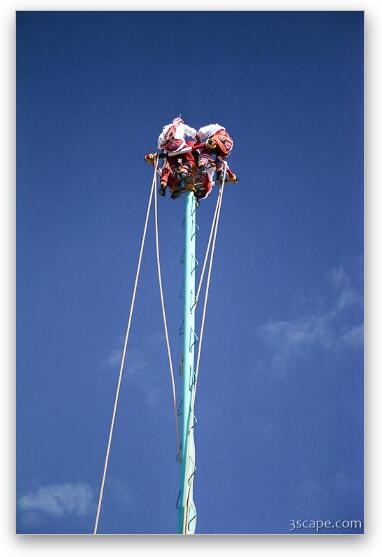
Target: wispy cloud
{"type": "Point", "coordinates": [337, 493]}
{"type": "Point", "coordinates": [328, 328]}
{"type": "Point", "coordinates": [354, 336]}
{"type": "Point", "coordinates": [58, 500]}
{"type": "Point", "coordinates": [136, 360]}
{"type": "Point", "coordinates": [346, 293]}
{"type": "Point", "coordinates": [135, 363]}
{"type": "Point", "coordinates": [114, 358]}
{"type": "Point", "coordinates": [121, 492]}
{"type": "Point", "coordinates": [140, 366]}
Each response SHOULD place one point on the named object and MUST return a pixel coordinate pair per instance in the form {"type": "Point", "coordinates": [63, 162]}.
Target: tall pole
{"type": "Point", "coordinates": [187, 510]}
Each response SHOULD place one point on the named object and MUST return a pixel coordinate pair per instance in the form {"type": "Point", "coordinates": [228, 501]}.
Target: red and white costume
{"type": "Point", "coordinates": [224, 145]}
{"type": "Point", "coordinates": [173, 137]}
{"type": "Point", "coordinates": [208, 131]}
{"type": "Point", "coordinates": [176, 137]}
{"type": "Point", "coordinates": [208, 182]}
{"type": "Point", "coordinates": [207, 179]}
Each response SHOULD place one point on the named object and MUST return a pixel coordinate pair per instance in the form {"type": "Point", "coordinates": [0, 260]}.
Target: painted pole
{"type": "Point", "coordinates": [187, 510]}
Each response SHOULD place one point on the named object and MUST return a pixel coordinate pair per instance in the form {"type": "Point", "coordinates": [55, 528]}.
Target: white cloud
{"type": "Point", "coordinates": [328, 328]}
{"type": "Point", "coordinates": [58, 500]}
{"type": "Point", "coordinates": [334, 494]}
{"type": "Point", "coordinates": [140, 363]}
{"type": "Point", "coordinates": [354, 336]}
{"type": "Point", "coordinates": [135, 360]}
{"type": "Point", "coordinates": [346, 293]}
{"type": "Point", "coordinates": [304, 331]}
{"type": "Point", "coordinates": [121, 492]}
{"type": "Point", "coordinates": [114, 357]}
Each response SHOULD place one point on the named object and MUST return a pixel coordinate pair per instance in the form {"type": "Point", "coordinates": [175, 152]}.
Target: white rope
{"type": "Point", "coordinates": [207, 250]}
{"type": "Point", "coordinates": [208, 281]}
{"type": "Point", "coordinates": [165, 321]}
{"type": "Point", "coordinates": [124, 352]}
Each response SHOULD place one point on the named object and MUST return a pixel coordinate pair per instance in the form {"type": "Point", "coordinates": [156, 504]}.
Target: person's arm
{"type": "Point", "coordinates": [229, 174]}
{"type": "Point", "coordinates": [150, 157]}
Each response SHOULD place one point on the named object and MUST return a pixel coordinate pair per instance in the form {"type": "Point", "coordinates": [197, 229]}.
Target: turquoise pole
{"type": "Point", "coordinates": [187, 511]}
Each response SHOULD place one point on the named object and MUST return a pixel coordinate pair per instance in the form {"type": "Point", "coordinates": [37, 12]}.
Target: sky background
{"type": "Point", "coordinates": [280, 392]}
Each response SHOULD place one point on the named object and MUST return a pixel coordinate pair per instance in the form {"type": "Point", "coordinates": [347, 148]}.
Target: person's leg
{"type": "Point", "coordinates": [204, 191]}
{"type": "Point", "coordinates": [175, 186]}
{"type": "Point", "coordinates": [187, 165]}
{"type": "Point", "coordinates": [166, 171]}
{"type": "Point", "coordinates": [220, 163]}
{"type": "Point", "coordinates": [230, 176]}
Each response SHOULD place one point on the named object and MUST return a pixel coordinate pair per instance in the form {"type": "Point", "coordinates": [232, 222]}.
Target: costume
{"type": "Point", "coordinates": [218, 145]}
{"type": "Point", "coordinates": [194, 169]}
{"type": "Point", "coordinates": [178, 166]}
{"type": "Point", "coordinates": [175, 137]}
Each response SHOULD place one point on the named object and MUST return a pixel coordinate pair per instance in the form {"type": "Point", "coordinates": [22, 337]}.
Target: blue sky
{"type": "Point", "coordinates": [280, 394]}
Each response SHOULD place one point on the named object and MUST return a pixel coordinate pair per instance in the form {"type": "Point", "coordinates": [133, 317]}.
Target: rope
{"type": "Point", "coordinates": [124, 352]}
{"type": "Point", "coordinates": [208, 281]}
{"type": "Point", "coordinates": [207, 250]}
{"type": "Point", "coordinates": [165, 320]}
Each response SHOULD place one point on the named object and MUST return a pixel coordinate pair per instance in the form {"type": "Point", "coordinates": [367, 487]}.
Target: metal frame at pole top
{"type": "Point", "coordinates": [187, 511]}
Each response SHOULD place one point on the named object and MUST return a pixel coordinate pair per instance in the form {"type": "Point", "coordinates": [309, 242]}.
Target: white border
{"type": "Point", "coordinates": [163, 545]}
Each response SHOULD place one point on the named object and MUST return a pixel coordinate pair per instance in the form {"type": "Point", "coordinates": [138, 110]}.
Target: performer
{"type": "Point", "coordinates": [175, 137]}
{"type": "Point", "coordinates": [218, 142]}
